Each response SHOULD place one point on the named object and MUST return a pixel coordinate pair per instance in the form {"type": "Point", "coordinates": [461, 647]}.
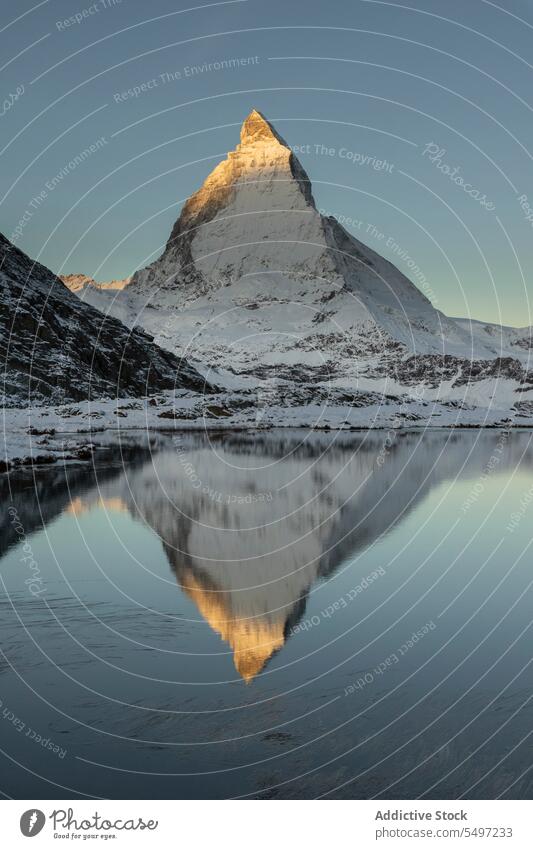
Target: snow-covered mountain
{"type": "Point", "coordinates": [55, 349]}
{"type": "Point", "coordinates": [77, 283]}
{"type": "Point", "coordinates": [517, 341]}
{"type": "Point", "coordinates": [252, 239]}
{"type": "Point", "coordinates": [253, 271]}
{"type": "Point", "coordinates": [257, 285]}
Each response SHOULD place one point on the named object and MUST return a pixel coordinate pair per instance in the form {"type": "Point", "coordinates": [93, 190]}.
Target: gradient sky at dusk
{"type": "Point", "coordinates": [379, 80]}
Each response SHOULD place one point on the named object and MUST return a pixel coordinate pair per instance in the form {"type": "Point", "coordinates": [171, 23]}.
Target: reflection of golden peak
{"type": "Point", "coordinates": [253, 641]}
{"type": "Point", "coordinates": [78, 505]}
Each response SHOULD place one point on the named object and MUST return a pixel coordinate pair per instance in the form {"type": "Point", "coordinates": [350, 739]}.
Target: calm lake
{"type": "Point", "coordinates": [279, 614]}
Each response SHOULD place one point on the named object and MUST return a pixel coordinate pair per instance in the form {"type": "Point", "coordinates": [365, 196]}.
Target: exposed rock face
{"type": "Point", "coordinates": [433, 370]}
{"type": "Point", "coordinates": [55, 349]}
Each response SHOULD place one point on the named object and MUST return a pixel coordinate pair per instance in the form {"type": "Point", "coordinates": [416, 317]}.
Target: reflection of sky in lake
{"type": "Point", "coordinates": [219, 639]}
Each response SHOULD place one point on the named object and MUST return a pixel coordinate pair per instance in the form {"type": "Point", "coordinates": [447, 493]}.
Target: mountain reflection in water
{"type": "Point", "coordinates": [250, 522]}
{"type": "Point", "coordinates": [251, 525]}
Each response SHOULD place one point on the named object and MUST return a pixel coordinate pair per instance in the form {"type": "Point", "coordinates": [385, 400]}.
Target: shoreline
{"type": "Point", "coordinates": [47, 448]}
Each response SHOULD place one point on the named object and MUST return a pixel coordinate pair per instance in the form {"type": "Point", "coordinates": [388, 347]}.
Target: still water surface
{"type": "Point", "coordinates": [275, 615]}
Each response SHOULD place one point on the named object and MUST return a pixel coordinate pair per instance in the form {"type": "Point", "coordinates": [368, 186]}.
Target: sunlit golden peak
{"type": "Point", "coordinates": [256, 128]}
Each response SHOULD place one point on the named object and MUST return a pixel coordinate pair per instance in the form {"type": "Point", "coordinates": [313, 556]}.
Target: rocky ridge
{"type": "Point", "coordinates": [56, 349]}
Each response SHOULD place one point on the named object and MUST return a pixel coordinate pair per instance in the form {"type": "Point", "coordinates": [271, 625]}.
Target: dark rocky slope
{"type": "Point", "coordinates": [54, 348]}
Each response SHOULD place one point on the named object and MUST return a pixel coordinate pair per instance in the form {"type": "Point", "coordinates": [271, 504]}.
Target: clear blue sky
{"type": "Point", "coordinates": [372, 79]}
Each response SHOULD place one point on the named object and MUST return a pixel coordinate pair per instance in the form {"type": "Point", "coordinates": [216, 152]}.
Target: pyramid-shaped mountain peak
{"type": "Point", "coordinates": [260, 175]}
{"type": "Point", "coordinates": [256, 128]}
